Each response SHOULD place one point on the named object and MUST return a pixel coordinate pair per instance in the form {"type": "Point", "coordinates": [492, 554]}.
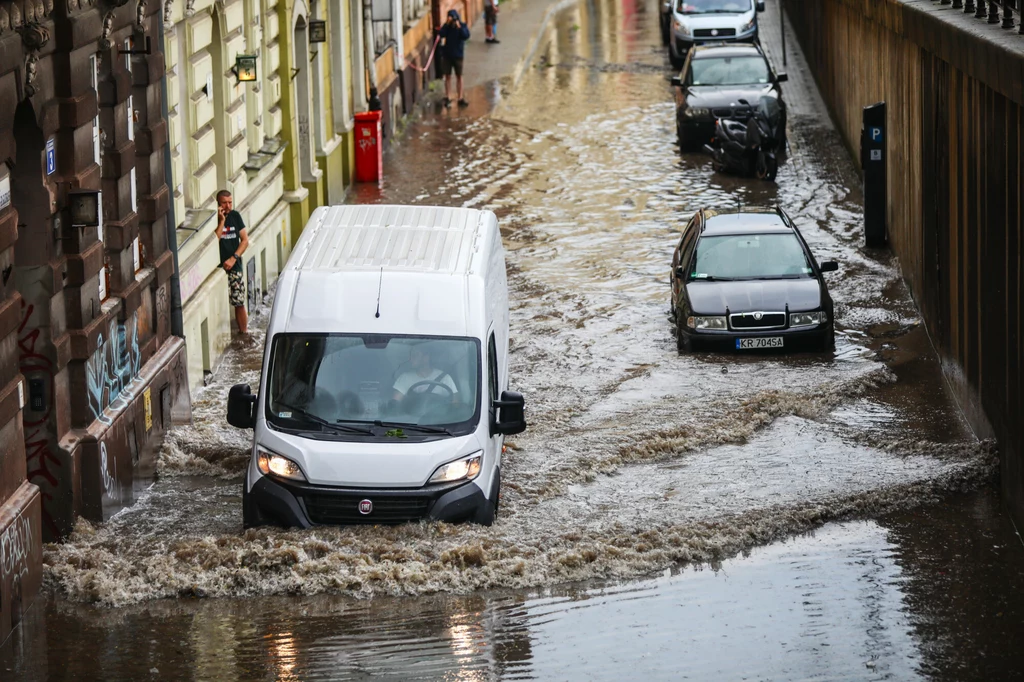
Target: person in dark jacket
{"type": "Point", "coordinates": [454, 35]}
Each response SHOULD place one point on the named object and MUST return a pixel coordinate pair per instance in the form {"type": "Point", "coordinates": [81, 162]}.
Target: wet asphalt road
{"type": "Point", "coordinates": [669, 517]}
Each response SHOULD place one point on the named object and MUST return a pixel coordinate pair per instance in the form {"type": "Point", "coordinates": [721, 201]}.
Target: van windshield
{"type": "Point", "coordinates": [316, 381]}
{"type": "Point", "coordinates": [714, 6]}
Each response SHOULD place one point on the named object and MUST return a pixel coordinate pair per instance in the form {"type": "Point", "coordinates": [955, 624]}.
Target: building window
{"type": "Point", "coordinates": [94, 73]}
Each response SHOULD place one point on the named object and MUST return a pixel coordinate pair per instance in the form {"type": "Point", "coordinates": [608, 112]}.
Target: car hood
{"type": "Point", "coordinates": [751, 296]}
{"type": "Point", "coordinates": [717, 20]}
{"type": "Point", "coordinates": [726, 95]}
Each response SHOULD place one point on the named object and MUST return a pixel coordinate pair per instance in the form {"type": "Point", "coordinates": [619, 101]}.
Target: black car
{"type": "Point", "coordinates": [722, 81]}
{"type": "Point", "coordinates": [745, 279]}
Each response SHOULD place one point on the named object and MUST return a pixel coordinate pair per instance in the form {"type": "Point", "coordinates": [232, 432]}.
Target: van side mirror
{"type": "Point", "coordinates": [241, 404]}
{"type": "Point", "coordinates": [829, 266]}
{"type": "Point", "coordinates": [677, 81]}
{"type": "Point", "coordinates": [760, 5]}
{"type": "Point", "coordinates": [781, 78]}
{"type": "Point", "coordinates": [510, 416]}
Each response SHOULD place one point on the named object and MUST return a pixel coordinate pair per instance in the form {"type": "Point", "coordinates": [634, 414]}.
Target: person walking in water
{"type": "Point", "coordinates": [454, 35]}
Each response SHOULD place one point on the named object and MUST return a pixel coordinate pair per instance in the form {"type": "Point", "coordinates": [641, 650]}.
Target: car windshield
{"type": "Point", "coordinates": [750, 256]}
{"type": "Point", "coordinates": [715, 6]}
{"type": "Point", "coordinates": [318, 380]}
{"type": "Point", "coordinates": [729, 71]}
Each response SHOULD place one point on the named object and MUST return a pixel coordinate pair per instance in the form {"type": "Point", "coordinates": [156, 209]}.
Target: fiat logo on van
{"type": "Point", "coordinates": [365, 506]}
{"type": "Point", "coordinates": [714, 31]}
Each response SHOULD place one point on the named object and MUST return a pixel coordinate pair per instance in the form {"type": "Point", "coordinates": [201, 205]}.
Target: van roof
{"type": "Point", "coordinates": [404, 238]}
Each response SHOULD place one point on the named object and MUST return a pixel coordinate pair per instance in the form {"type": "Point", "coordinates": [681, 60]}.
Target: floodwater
{"type": "Point", "coordinates": [670, 516]}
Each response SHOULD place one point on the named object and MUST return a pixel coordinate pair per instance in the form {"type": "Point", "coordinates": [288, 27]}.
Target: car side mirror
{"type": "Point", "coordinates": [510, 415]}
{"type": "Point", "coordinates": [829, 266]}
{"type": "Point", "coordinates": [781, 78]}
{"type": "Point", "coordinates": [680, 273]}
{"type": "Point", "coordinates": [760, 5]}
{"type": "Point", "coordinates": [677, 81]}
{"type": "Point", "coordinates": [241, 404]}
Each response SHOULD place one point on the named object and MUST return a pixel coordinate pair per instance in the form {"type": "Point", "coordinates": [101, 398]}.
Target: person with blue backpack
{"type": "Point", "coordinates": [453, 35]}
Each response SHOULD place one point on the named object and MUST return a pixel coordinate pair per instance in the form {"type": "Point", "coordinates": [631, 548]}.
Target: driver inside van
{"type": "Point", "coordinates": [423, 377]}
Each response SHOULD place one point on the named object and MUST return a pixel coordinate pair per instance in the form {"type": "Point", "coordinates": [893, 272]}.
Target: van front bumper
{"type": "Point", "coordinates": [302, 505]}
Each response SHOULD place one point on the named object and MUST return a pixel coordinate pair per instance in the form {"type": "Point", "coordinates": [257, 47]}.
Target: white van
{"type": "Point", "coordinates": [700, 21]}
{"type": "Point", "coordinates": [383, 395]}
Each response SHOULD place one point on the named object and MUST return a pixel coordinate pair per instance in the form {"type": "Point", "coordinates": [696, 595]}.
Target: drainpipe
{"type": "Point", "coordinates": [371, 61]}
{"type": "Point", "coordinates": [177, 322]}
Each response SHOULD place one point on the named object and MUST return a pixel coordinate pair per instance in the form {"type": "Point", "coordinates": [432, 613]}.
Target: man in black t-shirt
{"type": "Point", "coordinates": [233, 242]}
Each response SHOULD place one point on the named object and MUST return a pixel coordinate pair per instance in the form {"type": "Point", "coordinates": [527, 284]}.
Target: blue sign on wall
{"type": "Point", "coordinates": [876, 134]}
{"type": "Point", "coordinates": [51, 156]}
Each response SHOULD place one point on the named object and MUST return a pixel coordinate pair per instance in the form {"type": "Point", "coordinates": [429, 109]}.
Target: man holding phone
{"type": "Point", "coordinates": [454, 35]}
{"type": "Point", "coordinates": [234, 240]}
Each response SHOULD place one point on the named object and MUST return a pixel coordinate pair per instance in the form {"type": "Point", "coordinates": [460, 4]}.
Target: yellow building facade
{"type": "Point", "coordinates": [281, 144]}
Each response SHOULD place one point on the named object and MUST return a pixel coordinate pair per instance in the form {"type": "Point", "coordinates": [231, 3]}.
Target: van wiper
{"type": "Point", "coordinates": [324, 422]}
{"type": "Point", "coordinates": [419, 427]}
{"type": "Point", "coordinates": [712, 278]}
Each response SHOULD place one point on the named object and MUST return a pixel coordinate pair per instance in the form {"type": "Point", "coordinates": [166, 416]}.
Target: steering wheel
{"type": "Point", "coordinates": [430, 388]}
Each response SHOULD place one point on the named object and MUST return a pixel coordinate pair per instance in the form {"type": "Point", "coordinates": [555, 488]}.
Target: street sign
{"type": "Point", "coordinates": [51, 156]}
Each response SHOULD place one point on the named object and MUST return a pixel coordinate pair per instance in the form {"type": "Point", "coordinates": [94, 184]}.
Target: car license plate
{"type": "Point", "coordinates": [760, 342]}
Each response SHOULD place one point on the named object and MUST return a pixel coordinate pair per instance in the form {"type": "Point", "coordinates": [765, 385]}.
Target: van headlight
{"type": "Point", "coordinates": [699, 322]}
{"type": "Point", "coordinates": [278, 465]}
{"type": "Point", "coordinates": [466, 468]}
{"type": "Point", "coordinates": [749, 26]}
{"type": "Point", "coordinates": [682, 30]}
{"type": "Point", "coordinates": [808, 319]}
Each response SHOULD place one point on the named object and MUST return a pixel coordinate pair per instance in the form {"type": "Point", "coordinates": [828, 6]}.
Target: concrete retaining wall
{"type": "Point", "coordinates": [954, 85]}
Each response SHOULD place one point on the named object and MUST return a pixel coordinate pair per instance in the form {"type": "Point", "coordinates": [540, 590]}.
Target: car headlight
{"type": "Point", "coordinates": [466, 468]}
{"type": "Point", "coordinates": [681, 29]}
{"type": "Point", "coordinates": [698, 322]}
{"type": "Point", "coordinates": [697, 112]}
{"type": "Point", "coordinates": [808, 319]}
{"type": "Point", "coordinates": [273, 463]}
{"type": "Point", "coordinates": [749, 26]}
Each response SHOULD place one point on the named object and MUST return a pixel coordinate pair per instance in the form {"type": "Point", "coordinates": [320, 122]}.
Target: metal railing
{"type": "Point", "coordinates": [412, 10]}
{"type": "Point", "coordinates": [993, 12]}
{"type": "Point", "coordinates": [383, 36]}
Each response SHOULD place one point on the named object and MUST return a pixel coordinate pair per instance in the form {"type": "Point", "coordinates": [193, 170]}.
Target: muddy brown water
{"type": "Point", "coordinates": [702, 517]}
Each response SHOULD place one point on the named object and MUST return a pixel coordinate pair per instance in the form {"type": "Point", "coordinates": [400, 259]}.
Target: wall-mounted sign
{"type": "Point", "coordinates": [317, 31]}
{"type": "Point", "coordinates": [5, 191]}
{"type": "Point", "coordinates": [147, 404]}
{"type": "Point", "coordinates": [51, 156]}
{"type": "Point", "coordinates": [245, 68]}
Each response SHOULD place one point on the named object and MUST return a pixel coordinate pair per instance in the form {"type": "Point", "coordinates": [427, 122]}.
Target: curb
{"type": "Point", "coordinates": [527, 56]}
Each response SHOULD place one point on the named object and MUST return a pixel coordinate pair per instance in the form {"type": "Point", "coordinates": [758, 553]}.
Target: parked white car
{"type": "Point", "coordinates": [701, 21]}
{"type": "Point", "coordinates": [383, 395]}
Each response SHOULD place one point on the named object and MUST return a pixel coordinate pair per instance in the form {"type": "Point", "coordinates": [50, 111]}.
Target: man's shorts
{"type": "Point", "coordinates": [490, 16]}
{"type": "Point", "coordinates": [236, 288]}
{"type": "Point", "coordinates": [449, 65]}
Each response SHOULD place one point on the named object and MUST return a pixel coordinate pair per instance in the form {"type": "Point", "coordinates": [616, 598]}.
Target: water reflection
{"type": "Point", "coordinates": [937, 593]}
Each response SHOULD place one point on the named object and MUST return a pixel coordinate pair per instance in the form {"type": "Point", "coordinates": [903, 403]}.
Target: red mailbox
{"type": "Point", "coordinates": [369, 151]}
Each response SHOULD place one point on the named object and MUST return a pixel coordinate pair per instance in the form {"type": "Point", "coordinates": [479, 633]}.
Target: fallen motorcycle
{"type": "Point", "coordinates": [750, 148]}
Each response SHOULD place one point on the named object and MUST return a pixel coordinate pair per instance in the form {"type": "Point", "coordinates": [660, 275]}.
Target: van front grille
{"type": "Point", "coordinates": [344, 509]}
{"type": "Point", "coordinates": [717, 32]}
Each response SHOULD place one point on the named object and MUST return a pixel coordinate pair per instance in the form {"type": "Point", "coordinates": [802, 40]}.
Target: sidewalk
{"type": "Point", "coordinates": [520, 25]}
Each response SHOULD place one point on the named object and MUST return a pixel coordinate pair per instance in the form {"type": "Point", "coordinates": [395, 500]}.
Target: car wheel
{"type": "Point", "coordinates": [251, 516]}
{"type": "Point", "coordinates": [664, 31]}
{"type": "Point", "coordinates": [682, 343]}
{"type": "Point", "coordinates": [677, 62]}
{"type": "Point", "coordinates": [488, 511]}
{"type": "Point", "coordinates": [828, 343]}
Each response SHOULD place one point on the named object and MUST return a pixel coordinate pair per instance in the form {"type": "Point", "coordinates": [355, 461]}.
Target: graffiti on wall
{"type": "Point", "coordinates": [110, 485]}
{"type": "Point", "coordinates": [113, 367]}
{"type": "Point", "coordinates": [16, 549]}
{"type": "Point", "coordinates": [43, 465]}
